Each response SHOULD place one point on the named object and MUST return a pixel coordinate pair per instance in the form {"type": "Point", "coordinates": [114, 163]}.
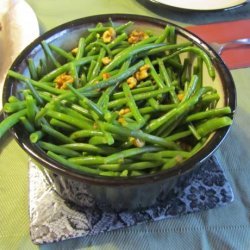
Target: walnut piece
{"type": "Point", "coordinates": [62, 81]}
{"type": "Point", "coordinates": [137, 36]}
{"type": "Point", "coordinates": [108, 35]}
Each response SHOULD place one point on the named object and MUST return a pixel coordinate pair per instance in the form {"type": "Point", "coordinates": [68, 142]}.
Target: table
{"type": "Point", "coordinates": [222, 228]}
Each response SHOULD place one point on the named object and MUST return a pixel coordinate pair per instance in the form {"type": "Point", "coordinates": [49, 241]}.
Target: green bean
{"type": "Point", "coordinates": [117, 40]}
{"type": "Point", "coordinates": [154, 74]}
{"type": "Point", "coordinates": [60, 70]}
{"type": "Point", "coordinates": [49, 54]}
{"type": "Point", "coordinates": [45, 96]}
{"type": "Point", "coordinates": [90, 70]}
{"type": "Point", "coordinates": [87, 160]}
{"type": "Point", "coordinates": [10, 121]}
{"type": "Point", "coordinates": [62, 125]}
{"type": "Point", "coordinates": [32, 69]}
{"type": "Point", "coordinates": [58, 149]}
{"type": "Point", "coordinates": [192, 87]}
{"type": "Point", "coordinates": [92, 35]}
{"type": "Point", "coordinates": [167, 80]}
{"type": "Point", "coordinates": [142, 165]}
{"type": "Point", "coordinates": [194, 131]}
{"type": "Point", "coordinates": [179, 135]}
{"type": "Point", "coordinates": [74, 113]}
{"type": "Point", "coordinates": [171, 116]}
{"type": "Point", "coordinates": [164, 35]}
{"type": "Point", "coordinates": [74, 74]}
{"type": "Point", "coordinates": [81, 48]}
{"type": "Point", "coordinates": [200, 53]}
{"type": "Point", "coordinates": [36, 136]}
{"type": "Point", "coordinates": [11, 107]}
{"type": "Point", "coordinates": [82, 124]}
{"type": "Point", "coordinates": [168, 47]}
{"type": "Point", "coordinates": [27, 124]}
{"type": "Point", "coordinates": [124, 26]}
{"type": "Point", "coordinates": [114, 79]}
{"type": "Point", "coordinates": [86, 147]}
{"type": "Point", "coordinates": [61, 52]}
{"type": "Point", "coordinates": [186, 71]}
{"type": "Point", "coordinates": [31, 108]}
{"type": "Point", "coordinates": [132, 105]}
{"type": "Point", "coordinates": [213, 124]}
{"type": "Point", "coordinates": [109, 173]}
{"type": "Point", "coordinates": [34, 92]}
{"type": "Point", "coordinates": [172, 162]}
{"type": "Point", "coordinates": [97, 66]}
{"type": "Point", "coordinates": [98, 140]}
{"type": "Point", "coordinates": [208, 114]}
{"type": "Point", "coordinates": [41, 85]}
{"type": "Point", "coordinates": [128, 53]}
{"type": "Point", "coordinates": [84, 133]}
{"type": "Point", "coordinates": [198, 146]}
{"type": "Point", "coordinates": [110, 167]}
{"type": "Point", "coordinates": [68, 164]}
{"type": "Point", "coordinates": [147, 110]}
{"type": "Point", "coordinates": [118, 95]}
{"type": "Point", "coordinates": [80, 110]}
{"type": "Point", "coordinates": [87, 101]}
{"type": "Point", "coordinates": [139, 97]}
{"type": "Point", "coordinates": [56, 134]}
{"type": "Point", "coordinates": [122, 131]}
{"type": "Point", "coordinates": [128, 153]}
{"type": "Point", "coordinates": [12, 99]}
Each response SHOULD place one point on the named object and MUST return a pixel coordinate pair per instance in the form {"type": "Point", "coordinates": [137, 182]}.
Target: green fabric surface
{"type": "Point", "coordinates": [222, 228]}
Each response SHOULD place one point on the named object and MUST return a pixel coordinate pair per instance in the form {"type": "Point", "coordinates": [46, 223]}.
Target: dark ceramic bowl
{"type": "Point", "coordinates": [113, 192]}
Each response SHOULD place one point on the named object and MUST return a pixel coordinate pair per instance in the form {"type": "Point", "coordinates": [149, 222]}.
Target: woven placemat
{"type": "Point", "coordinates": [53, 219]}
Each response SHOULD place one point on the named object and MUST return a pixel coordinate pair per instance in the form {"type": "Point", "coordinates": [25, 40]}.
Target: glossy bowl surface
{"type": "Point", "coordinates": [66, 36]}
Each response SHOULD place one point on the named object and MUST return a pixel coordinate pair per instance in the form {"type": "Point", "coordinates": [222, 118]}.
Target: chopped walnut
{"type": "Point", "coordinates": [145, 67]}
{"type": "Point", "coordinates": [180, 96]}
{"type": "Point", "coordinates": [142, 73]}
{"type": "Point", "coordinates": [137, 142]}
{"type": "Point", "coordinates": [132, 82]}
{"type": "Point", "coordinates": [137, 36]}
{"type": "Point", "coordinates": [106, 60]}
{"type": "Point", "coordinates": [121, 120]}
{"type": "Point", "coordinates": [62, 81]}
{"type": "Point", "coordinates": [108, 35]}
{"type": "Point", "coordinates": [105, 76]}
{"type": "Point", "coordinates": [74, 51]}
{"type": "Point", "coordinates": [124, 111]}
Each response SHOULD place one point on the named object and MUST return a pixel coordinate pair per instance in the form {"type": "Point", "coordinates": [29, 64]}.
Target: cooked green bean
{"type": "Point", "coordinates": [27, 124]}
{"type": "Point", "coordinates": [56, 134]}
{"type": "Point", "coordinates": [71, 165]}
{"type": "Point", "coordinates": [208, 114]}
{"type": "Point", "coordinates": [58, 149]}
{"type": "Point", "coordinates": [131, 103]}
{"type": "Point", "coordinates": [49, 53]}
{"type": "Point", "coordinates": [11, 107]}
{"type": "Point", "coordinates": [32, 69]}
{"type": "Point", "coordinates": [61, 125]}
{"type": "Point", "coordinates": [61, 52]}
{"type": "Point", "coordinates": [85, 147]}
{"type": "Point", "coordinates": [10, 121]}
{"type": "Point", "coordinates": [36, 136]}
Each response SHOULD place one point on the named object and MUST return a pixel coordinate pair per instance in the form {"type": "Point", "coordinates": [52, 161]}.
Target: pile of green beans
{"type": "Point", "coordinates": [100, 124]}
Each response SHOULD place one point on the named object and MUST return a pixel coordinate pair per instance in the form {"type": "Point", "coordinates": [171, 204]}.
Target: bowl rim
{"type": "Point", "coordinates": [188, 165]}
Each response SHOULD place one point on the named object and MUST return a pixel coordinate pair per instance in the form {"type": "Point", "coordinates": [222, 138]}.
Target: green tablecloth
{"type": "Point", "coordinates": [222, 228]}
